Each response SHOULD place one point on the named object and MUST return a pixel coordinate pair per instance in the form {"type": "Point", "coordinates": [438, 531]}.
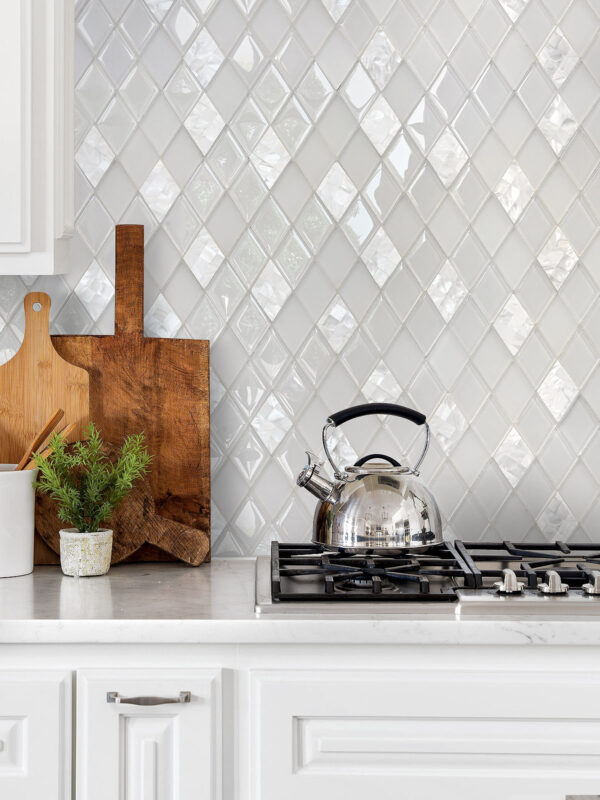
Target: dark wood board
{"type": "Point", "coordinates": [159, 386]}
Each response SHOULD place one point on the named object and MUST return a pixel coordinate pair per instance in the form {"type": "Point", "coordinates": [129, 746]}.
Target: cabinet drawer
{"type": "Point", "coordinates": [35, 735]}
{"type": "Point", "coordinates": [134, 751]}
{"type": "Point", "coordinates": [420, 735]}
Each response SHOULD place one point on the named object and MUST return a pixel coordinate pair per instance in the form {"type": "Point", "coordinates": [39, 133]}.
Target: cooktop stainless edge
{"type": "Point", "coordinates": [471, 604]}
{"type": "Point", "coordinates": [264, 604]}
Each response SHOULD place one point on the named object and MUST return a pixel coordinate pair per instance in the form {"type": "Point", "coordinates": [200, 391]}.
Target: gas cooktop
{"type": "Point", "coordinates": [466, 577]}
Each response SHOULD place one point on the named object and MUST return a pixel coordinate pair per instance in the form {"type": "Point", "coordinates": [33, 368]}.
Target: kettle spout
{"type": "Point", "coordinates": [311, 479]}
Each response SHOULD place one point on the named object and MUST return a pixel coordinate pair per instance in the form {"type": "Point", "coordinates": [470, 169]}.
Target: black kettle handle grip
{"type": "Point", "coordinates": [364, 460]}
{"type": "Point", "coordinates": [377, 408]}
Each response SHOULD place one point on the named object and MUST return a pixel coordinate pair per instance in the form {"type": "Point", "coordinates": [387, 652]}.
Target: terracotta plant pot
{"type": "Point", "coordinates": [85, 554]}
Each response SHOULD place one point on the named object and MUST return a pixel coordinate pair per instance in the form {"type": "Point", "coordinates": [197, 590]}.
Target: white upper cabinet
{"type": "Point", "coordinates": [36, 135]}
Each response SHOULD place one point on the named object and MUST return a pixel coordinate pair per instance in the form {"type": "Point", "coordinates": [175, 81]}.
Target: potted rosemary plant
{"type": "Point", "coordinates": [88, 487]}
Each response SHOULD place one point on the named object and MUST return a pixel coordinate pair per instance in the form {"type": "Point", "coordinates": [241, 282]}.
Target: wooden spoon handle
{"type": "Point", "coordinates": [65, 433]}
{"type": "Point", "coordinates": [40, 437]}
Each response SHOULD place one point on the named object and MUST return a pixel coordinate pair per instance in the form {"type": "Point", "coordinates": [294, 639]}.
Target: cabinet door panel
{"type": "Point", "coordinates": [35, 735]}
{"type": "Point", "coordinates": [167, 751]}
{"type": "Point", "coordinates": [462, 736]}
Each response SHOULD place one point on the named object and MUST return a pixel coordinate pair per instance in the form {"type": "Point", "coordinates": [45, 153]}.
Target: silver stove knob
{"type": "Point", "coordinates": [593, 587]}
{"type": "Point", "coordinates": [554, 584]}
{"type": "Point", "coordinates": [509, 584]}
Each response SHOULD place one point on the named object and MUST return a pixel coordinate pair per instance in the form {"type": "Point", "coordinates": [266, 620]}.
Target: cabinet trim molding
{"type": "Point", "coordinates": [36, 141]}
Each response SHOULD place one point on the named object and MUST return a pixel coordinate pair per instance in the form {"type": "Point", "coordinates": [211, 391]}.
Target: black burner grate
{"type": "Point", "coordinates": [530, 562]}
{"type": "Point", "coordinates": [310, 572]}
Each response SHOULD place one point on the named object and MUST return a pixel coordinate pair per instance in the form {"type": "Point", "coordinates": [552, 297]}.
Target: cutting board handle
{"type": "Point", "coordinates": [37, 320]}
{"type": "Point", "coordinates": [129, 280]}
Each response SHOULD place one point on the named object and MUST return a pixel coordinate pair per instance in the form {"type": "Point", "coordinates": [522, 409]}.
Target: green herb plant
{"type": "Point", "coordinates": [87, 486]}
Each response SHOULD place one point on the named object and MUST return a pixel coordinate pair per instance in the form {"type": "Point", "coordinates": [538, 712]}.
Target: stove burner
{"type": "Point", "coordinates": [353, 584]}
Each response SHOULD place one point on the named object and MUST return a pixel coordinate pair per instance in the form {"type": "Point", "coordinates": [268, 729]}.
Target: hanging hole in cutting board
{"type": "Point", "coordinates": [37, 306]}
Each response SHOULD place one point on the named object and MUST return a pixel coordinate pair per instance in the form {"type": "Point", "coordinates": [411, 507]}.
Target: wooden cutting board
{"type": "Point", "coordinates": [37, 381]}
{"type": "Point", "coordinates": [161, 387]}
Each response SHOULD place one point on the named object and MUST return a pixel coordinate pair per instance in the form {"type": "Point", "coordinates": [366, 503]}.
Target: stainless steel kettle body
{"type": "Point", "coordinates": [373, 507]}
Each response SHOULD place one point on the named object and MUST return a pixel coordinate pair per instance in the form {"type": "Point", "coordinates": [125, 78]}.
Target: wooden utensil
{"type": "Point", "coordinates": [35, 382]}
{"type": "Point", "coordinates": [66, 432]}
{"type": "Point", "coordinates": [137, 522]}
{"type": "Point", "coordinates": [39, 439]}
{"type": "Point", "coordinates": [161, 387]}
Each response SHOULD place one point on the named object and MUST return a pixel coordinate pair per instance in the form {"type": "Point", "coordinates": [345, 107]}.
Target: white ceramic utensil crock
{"type": "Point", "coordinates": [85, 554]}
{"type": "Point", "coordinates": [17, 520]}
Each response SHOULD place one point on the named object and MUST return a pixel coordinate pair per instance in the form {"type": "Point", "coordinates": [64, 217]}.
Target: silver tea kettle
{"type": "Point", "coordinates": [376, 507]}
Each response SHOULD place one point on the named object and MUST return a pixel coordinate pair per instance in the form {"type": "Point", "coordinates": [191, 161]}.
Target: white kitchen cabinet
{"type": "Point", "coordinates": [36, 135]}
{"type": "Point", "coordinates": [35, 735]}
{"type": "Point", "coordinates": [423, 735]}
{"type": "Point", "coordinates": [166, 751]}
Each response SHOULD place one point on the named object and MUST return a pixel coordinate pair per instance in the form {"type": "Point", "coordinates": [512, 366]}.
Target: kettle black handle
{"type": "Point", "coordinates": [364, 460]}
{"type": "Point", "coordinates": [377, 408]}
{"type": "Point", "coordinates": [373, 408]}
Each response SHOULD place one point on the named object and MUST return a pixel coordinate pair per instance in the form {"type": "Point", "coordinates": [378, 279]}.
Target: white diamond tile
{"type": "Point", "coordinates": [557, 57]}
{"type": "Point", "coordinates": [94, 156]}
{"type": "Point", "coordinates": [204, 58]}
{"type": "Point", "coordinates": [159, 190]}
{"type": "Point", "coordinates": [447, 291]}
{"type": "Point", "coordinates": [513, 324]}
{"type": "Point", "coordinates": [448, 424]}
{"type": "Point", "coordinates": [337, 324]}
{"type": "Point", "coordinates": [381, 386]}
{"type": "Point", "coordinates": [513, 457]}
{"type": "Point", "coordinates": [558, 391]}
{"type": "Point", "coordinates": [358, 90]}
{"type": "Point", "coordinates": [556, 521]}
{"type": "Point", "coordinates": [358, 224]}
{"type": "Point", "coordinates": [557, 257]}
{"type": "Point", "coordinates": [380, 124]}
{"type": "Point", "coordinates": [226, 291]}
{"type": "Point", "coordinates": [226, 159]}
{"type": "Point", "coordinates": [204, 123]}
{"type": "Point", "coordinates": [558, 124]}
{"type": "Point", "coordinates": [248, 57]}
{"type": "Point", "coordinates": [182, 90]}
{"type": "Point", "coordinates": [270, 157]}
{"type": "Point", "coordinates": [271, 423]}
{"type": "Point", "coordinates": [381, 257]}
{"type": "Point", "coordinates": [204, 257]}
{"type": "Point", "coordinates": [271, 290]}
{"type": "Point", "coordinates": [292, 125]}
{"type": "Point", "coordinates": [337, 191]}
{"type": "Point", "coordinates": [514, 191]}
{"type": "Point", "coordinates": [380, 58]}
{"type": "Point", "coordinates": [94, 290]}
{"type": "Point", "coordinates": [161, 320]}
{"type": "Point", "coordinates": [447, 157]}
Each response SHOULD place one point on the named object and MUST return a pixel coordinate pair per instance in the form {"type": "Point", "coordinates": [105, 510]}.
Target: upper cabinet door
{"type": "Point", "coordinates": [145, 734]}
{"type": "Point", "coordinates": [36, 136]}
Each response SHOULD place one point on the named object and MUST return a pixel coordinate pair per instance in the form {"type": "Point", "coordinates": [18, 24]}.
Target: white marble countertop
{"type": "Point", "coordinates": [173, 603]}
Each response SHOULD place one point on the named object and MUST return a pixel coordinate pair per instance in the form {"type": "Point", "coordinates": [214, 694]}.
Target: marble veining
{"type": "Point", "coordinates": [157, 603]}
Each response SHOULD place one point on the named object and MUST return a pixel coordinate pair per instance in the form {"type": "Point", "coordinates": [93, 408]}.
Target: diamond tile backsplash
{"type": "Point", "coordinates": [356, 200]}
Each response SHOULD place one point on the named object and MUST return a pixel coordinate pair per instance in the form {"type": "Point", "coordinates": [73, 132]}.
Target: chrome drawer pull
{"type": "Point", "coordinates": [114, 697]}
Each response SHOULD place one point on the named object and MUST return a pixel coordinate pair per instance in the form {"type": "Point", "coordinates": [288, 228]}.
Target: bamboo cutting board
{"type": "Point", "coordinates": [37, 381]}
{"type": "Point", "coordinates": [161, 387]}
